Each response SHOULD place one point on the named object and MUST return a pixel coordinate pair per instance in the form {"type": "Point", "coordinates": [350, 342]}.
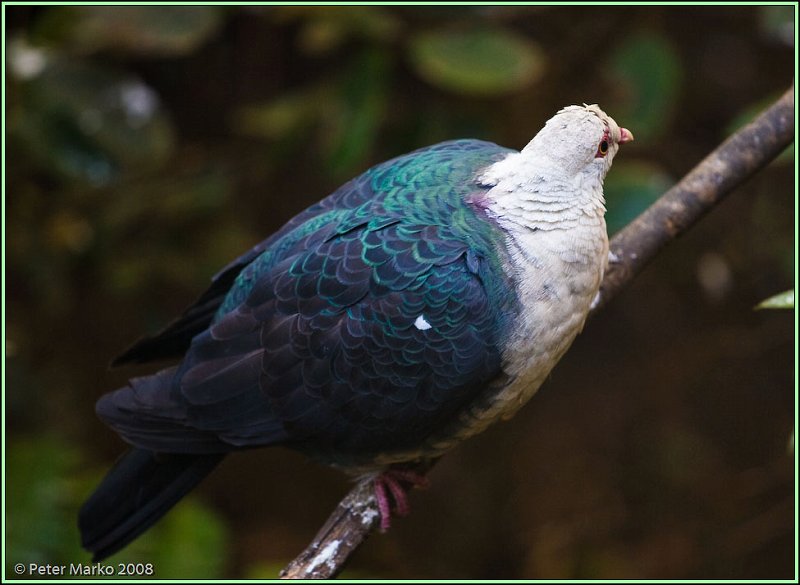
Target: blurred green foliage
{"type": "Point", "coordinates": [131, 30]}
{"type": "Point", "coordinates": [44, 491]}
{"type": "Point", "coordinates": [478, 61]}
{"type": "Point", "coordinates": [47, 483]}
{"type": "Point", "coordinates": [147, 146]}
{"type": "Point", "coordinates": [84, 121]}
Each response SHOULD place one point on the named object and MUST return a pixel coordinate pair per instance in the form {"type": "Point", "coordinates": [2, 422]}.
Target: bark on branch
{"type": "Point", "coordinates": [731, 164]}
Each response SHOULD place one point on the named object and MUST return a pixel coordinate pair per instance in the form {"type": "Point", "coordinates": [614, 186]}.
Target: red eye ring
{"type": "Point", "coordinates": [603, 147]}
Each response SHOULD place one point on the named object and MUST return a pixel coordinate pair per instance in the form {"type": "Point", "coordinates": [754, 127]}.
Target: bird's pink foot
{"type": "Point", "coordinates": [391, 487]}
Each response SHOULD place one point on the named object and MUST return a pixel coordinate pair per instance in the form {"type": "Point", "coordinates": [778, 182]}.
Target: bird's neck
{"type": "Point", "coordinates": [530, 193]}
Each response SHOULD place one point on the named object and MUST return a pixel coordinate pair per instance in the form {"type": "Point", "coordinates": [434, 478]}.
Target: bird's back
{"type": "Point", "coordinates": [430, 186]}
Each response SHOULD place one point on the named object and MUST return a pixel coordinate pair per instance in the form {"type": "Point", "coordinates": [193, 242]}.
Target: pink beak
{"type": "Point", "coordinates": [625, 135]}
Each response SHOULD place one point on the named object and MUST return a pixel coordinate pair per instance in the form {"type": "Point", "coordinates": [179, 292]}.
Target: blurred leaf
{"type": "Point", "coordinates": [646, 74]}
{"type": "Point", "coordinates": [480, 62]}
{"type": "Point", "coordinates": [153, 30]}
{"type": "Point", "coordinates": [749, 114]}
{"type": "Point", "coordinates": [630, 188]}
{"type": "Point", "coordinates": [84, 122]}
{"type": "Point", "coordinates": [326, 28]}
{"type": "Point", "coordinates": [784, 300]}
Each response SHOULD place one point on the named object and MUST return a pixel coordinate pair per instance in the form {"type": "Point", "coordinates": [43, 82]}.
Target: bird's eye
{"type": "Point", "coordinates": [602, 148]}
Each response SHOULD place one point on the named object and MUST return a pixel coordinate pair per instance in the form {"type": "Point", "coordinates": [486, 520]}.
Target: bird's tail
{"type": "Point", "coordinates": [138, 490]}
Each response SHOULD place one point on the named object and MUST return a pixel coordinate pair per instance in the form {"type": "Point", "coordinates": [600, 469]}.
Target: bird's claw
{"type": "Point", "coordinates": [391, 491]}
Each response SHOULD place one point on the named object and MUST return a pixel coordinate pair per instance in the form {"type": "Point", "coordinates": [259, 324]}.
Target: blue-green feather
{"type": "Point", "coordinates": [428, 187]}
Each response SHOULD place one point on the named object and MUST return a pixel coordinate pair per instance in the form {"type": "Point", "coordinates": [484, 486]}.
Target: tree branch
{"type": "Point", "coordinates": [349, 525]}
{"type": "Point", "coordinates": [731, 164]}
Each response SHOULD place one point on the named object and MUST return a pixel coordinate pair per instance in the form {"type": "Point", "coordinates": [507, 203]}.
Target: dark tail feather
{"type": "Point", "coordinates": [138, 490]}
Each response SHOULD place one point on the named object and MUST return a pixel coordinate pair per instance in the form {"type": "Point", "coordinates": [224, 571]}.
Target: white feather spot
{"type": "Point", "coordinates": [421, 323]}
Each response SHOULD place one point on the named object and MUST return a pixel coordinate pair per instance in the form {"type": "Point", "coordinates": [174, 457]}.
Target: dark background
{"type": "Point", "coordinates": [148, 146]}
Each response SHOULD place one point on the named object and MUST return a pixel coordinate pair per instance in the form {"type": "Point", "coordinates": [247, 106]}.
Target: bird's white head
{"type": "Point", "coordinates": [579, 139]}
{"type": "Point", "coordinates": [575, 148]}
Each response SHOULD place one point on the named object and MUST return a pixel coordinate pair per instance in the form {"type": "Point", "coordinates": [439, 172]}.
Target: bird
{"type": "Point", "coordinates": [407, 311]}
